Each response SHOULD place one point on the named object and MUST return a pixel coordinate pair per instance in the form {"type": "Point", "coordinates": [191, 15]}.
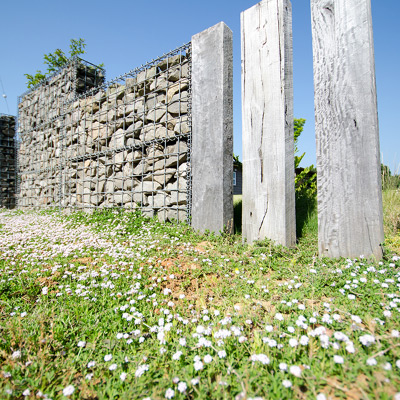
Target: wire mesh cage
{"type": "Point", "coordinates": [8, 159]}
{"type": "Point", "coordinates": [125, 143]}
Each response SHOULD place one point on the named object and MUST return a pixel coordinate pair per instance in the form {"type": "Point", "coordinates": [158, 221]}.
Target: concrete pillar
{"type": "Point", "coordinates": [212, 129]}
{"type": "Point", "coordinates": [267, 111]}
{"type": "Point", "coordinates": [350, 221]}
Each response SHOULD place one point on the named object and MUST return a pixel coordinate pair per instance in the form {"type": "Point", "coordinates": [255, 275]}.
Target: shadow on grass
{"type": "Point", "coordinates": [306, 215]}
{"type": "Point", "coordinates": [237, 213]}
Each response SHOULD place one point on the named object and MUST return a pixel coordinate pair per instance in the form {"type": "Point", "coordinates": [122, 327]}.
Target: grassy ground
{"type": "Point", "coordinates": [111, 306]}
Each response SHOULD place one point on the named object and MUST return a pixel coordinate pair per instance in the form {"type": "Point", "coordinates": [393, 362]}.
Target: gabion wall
{"type": "Point", "coordinates": [125, 143]}
{"type": "Point", "coordinates": [8, 151]}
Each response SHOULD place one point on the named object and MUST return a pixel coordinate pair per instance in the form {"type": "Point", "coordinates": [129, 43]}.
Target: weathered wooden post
{"type": "Point", "coordinates": [267, 113]}
{"type": "Point", "coordinates": [212, 129]}
{"type": "Point", "coordinates": [348, 163]}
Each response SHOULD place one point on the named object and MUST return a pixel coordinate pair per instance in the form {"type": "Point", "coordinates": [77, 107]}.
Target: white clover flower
{"type": "Point", "coordinates": [141, 370]}
{"type": "Point", "coordinates": [398, 363]}
{"type": "Point", "coordinates": [356, 319]}
{"type": "Point", "coordinates": [270, 342]}
{"type": "Point", "coordinates": [170, 393]}
{"type": "Point", "coordinates": [338, 359]}
{"type": "Point", "coordinates": [68, 390]}
{"type": "Point", "coordinates": [324, 339]}
{"type": "Point", "coordinates": [304, 340]}
{"type": "Point", "coordinates": [222, 354]}
{"type": "Point", "coordinates": [182, 387]}
{"type": "Point", "coordinates": [341, 337]}
{"type": "Point", "coordinates": [395, 333]}
{"type": "Point", "coordinates": [123, 376]}
{"type": "Point", "coordinates": [367, 340]}
{"type": "Point", "coordinates": [195, 381]}
{"type": "Point", "coordinates": [207, 358]}
{"type": "Point", "coordinates": [283, 366]}
{"type": "Point", "coordinates": [198, 365]}
{"type": "Point", "coordinates": [177, 355]}
{"type": "Point", "coordinates": [387, 366]}
{"type": "Point", "coordinates": [269, 328]}
{"type": "Point", "coordinates": [387, 313]}
{"type": "Point", "coordinates": [81, 343]}
{"type": "Point", "coordinates": [286, 383]}
{"type": "Point", "coordinates": [291, 329]}
{"type": "Point", "coordinates": [242, 339]}
{"type": "Point", "coordinates": [321, 396]}
{"type": "Point", "coordinates": [91, 364]}
{"type": "Point", "coordinates": [279, 316]}
{"type": "Point", "coordinates": [262, 358]}
{"type": "Point", "coordinates": [200, 329]}
{"type": "Point", "coordinates": [108, 357]}
{"type": "Point", "coordinates": [295, 370]}
{"type": "Point", "coordinates": [26, 392]}
{"type": "Point", "coordinates": [45, 290]}
{"type": "Point", "coordinates": [88, 377]}
{"type": "Point", "coordinates": [16, 354]}
{"type": "Point", "coordinates": [113, 367]}
{"type": "Point", "coordinates": [371, 362]}
{"type": "Point", "coordinates": [350, 347]}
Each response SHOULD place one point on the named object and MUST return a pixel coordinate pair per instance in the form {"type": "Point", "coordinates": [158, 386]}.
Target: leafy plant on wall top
{"type": "Point", "coordinates": [56, 60]}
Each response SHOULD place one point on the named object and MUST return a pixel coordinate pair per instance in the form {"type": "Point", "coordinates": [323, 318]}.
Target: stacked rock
{"type": "Point", "coordinates": [123, 144]}
{"type": "Point", "coordinates": [7, 161]}
{"type": "Point", "coordinates": [44, 103]}
{"type": "Point", "coordinates": [39, 122]}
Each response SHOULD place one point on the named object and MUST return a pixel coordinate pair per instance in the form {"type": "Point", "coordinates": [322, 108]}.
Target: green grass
{"type": "Point", "coordinates": [76, 289]}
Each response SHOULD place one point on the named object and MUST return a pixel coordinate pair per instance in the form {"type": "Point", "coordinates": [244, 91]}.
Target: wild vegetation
{"type": "Point", "coordinates": [114, 306]}
{"type": "Point", "coordinates": [57, 60]}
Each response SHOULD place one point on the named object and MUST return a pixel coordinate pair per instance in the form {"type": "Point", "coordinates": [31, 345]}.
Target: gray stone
{"type": "Point", "coordinates": [149, 187]}
{"type": "Point", "coordinates": [146, 74]}
{"type": "Point", "coordinates": [118, 139]}
{"type": "Point", "coordinates": [182, 127]}
{"type": "Point", "coordinates": [169, 62]}
{"type": "Point", "coordinates": [178, 107]}
{"type": "Point", "coordinates": [179, 198]}
{"type": "Point", "coordinates": [140, 198]}
{"type": "Point", "coordinates": [156, 114]}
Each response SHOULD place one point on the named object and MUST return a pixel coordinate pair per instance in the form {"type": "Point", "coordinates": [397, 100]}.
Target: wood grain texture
{"type": "Point", "coordinates": [267, 114]}
{"type": "Point", "coordinates": [212, 129]}
{"type": "Point", "coordinates": [347, 137]}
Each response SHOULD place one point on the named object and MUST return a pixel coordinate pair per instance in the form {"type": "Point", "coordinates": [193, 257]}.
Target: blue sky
{"type": "Point", "coordinates": [125, 34]}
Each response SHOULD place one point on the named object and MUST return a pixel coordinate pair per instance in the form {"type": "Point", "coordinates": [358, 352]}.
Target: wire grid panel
{"type": "Point", "coordinates": [39, 124]}
{"type": "Point", "coordinates": [125, 144]}
{"type": "Point", "coordinates": [8, 176]}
